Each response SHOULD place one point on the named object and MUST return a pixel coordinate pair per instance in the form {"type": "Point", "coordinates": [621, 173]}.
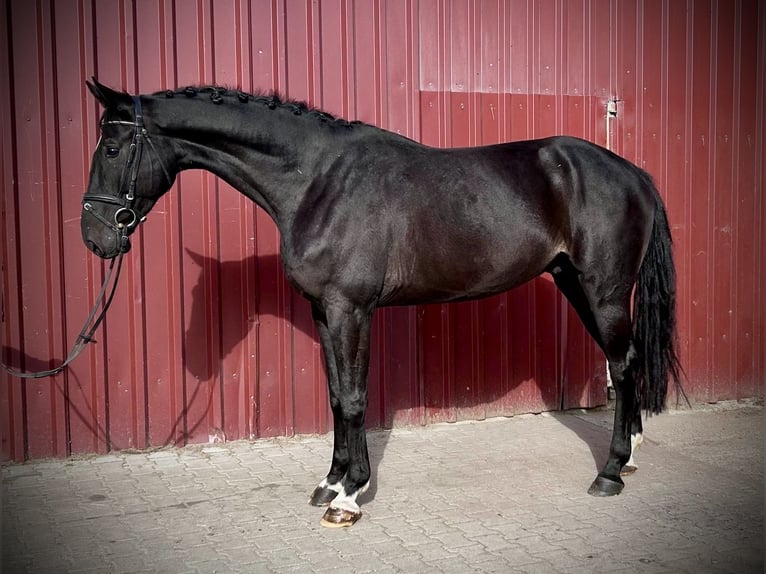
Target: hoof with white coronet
{"type": "Point", "coordinates": [340, 517]}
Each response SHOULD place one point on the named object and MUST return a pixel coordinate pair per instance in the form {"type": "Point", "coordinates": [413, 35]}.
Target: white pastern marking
{"type": "Point", "coordinates": [345, 502]}
{"type": "Point", "coordinates": [348, 502]}
{"type": "Point", "coordinates": [635, 442]}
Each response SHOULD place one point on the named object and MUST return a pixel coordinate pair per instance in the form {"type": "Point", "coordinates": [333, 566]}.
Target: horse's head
{"type": "Point", "coordinates": [128, 174]}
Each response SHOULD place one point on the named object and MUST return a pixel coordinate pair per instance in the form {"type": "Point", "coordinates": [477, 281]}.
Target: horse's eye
{"type": "Point", "coordinates": [112, 151]}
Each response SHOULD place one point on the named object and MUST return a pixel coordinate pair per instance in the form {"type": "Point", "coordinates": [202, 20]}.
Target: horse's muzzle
{"type": "Point", "coordinates": [94, 248]}
{"type": "Point", "coordinates": [122, 247]}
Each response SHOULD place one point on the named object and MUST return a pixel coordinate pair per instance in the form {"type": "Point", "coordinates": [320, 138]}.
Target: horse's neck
{"type": "Point", "coordinates": [268, 155]}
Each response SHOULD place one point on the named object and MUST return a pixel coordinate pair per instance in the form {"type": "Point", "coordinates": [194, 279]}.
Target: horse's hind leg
{"type": "Point", "coordinates": [614, 324]}
{"type": "Point", "coordinates": [569, 282]}
{"type": "Point", "coordinates": [567, 279]}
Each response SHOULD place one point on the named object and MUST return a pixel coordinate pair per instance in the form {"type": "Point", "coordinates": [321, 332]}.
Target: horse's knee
{"type": "Point", "coordinates": [354, 407]}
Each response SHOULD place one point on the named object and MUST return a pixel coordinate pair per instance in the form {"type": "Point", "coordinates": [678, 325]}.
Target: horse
{"type": "Point", "coordinates": [369, 218]}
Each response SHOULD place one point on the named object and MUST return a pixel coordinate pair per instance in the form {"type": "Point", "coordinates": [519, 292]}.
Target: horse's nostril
{"type": "Point", "coordinates": [95, 248]}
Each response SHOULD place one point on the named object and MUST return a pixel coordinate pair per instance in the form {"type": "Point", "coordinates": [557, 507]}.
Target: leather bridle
{"type": "Point", "coordinates": [126, 218]}
{"type": "Point", "coordinates": [122, 227]}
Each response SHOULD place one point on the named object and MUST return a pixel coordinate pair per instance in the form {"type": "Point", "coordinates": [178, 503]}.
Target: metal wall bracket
{"type": "Point", "coordinates": [611, 114]}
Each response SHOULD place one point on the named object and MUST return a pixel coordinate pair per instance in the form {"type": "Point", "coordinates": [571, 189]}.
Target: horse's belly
{"type": "Point", "coordinates": [430, 280]}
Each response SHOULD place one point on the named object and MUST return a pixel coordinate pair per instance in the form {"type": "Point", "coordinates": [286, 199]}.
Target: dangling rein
{"type": "Point", "coordinates": [91, 324]}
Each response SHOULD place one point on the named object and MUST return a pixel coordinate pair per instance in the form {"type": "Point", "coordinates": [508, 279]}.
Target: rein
{"type": "Point", "coordinates": [86, 333]}
{"type": "Point", "coordinates": [121, 227]}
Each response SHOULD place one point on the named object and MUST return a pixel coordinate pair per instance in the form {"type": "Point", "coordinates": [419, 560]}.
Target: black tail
{"type": "Point", "coordinates": [654, 317]}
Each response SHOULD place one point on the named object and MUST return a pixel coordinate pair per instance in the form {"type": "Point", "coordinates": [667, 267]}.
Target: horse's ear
{"type": "Point", "coordinates": [196, 257]}
{"type": "Point", "coordinates": [108, 97]}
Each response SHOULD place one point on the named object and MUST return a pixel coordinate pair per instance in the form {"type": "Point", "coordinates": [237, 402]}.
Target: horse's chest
{"type": "Point", "coordinates": [306, 274]}
{"type": "Point", "coordinates": [349, 269]}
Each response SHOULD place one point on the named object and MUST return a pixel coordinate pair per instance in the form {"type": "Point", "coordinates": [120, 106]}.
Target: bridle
{"type": "Point", "coordinates": [125, 217]}
{"type": "Point", "coordinates": [122, 227]}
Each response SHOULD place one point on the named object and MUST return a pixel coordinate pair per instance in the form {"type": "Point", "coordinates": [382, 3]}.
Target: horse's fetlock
{"type": "Point", "coordinates": [356, 479]}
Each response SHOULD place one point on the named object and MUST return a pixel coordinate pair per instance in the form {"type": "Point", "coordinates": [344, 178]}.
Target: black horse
{"type": "Point", "coordinates": [369, 218]}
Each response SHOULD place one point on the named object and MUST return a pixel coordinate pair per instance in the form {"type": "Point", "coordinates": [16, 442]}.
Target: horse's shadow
{"type": "Point", "coordinates": [234, 273]}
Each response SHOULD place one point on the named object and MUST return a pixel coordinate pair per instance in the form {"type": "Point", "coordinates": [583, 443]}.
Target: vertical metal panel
{"type": "Point", "coordinates": [759, 180]}
{"type": "Point", "coordinates": [36, 224]}
{"type": "Point", "coordinates": [699, 215]}
{"type": "Point", "coordinates": [752, 155]}
{"type": "Point", "coordinates": [207, 341]}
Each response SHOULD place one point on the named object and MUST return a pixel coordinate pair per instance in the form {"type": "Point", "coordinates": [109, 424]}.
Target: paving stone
{"type": "Point", "coordinates": [503, 495]}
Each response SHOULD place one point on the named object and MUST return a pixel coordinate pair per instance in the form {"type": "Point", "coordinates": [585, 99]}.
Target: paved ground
{"type": "Point", "coordinates": [505, 495]}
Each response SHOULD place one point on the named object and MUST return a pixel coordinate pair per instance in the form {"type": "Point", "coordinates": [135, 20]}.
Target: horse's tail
{"type": "Point", "coordinates": [654, 316]}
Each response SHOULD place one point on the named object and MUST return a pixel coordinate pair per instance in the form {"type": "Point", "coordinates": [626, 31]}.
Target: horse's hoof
{"type": "Point", "coordinates": [322, 496]}
{"type": "Point", "coordinates": [603, 486]}
{"type": "Point", "coordinates": [628, 469]}
{"type": "Point", "coordinates": [339, 518]}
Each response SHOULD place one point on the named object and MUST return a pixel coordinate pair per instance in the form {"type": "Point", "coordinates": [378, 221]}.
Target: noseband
{"type": "Point", "coordinates": [126, 218]}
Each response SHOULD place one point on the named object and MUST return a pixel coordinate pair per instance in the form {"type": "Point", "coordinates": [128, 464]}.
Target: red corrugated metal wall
{"type": "Point", "coordinates": [206, 340]}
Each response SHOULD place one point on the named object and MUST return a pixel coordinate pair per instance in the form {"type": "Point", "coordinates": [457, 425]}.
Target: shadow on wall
{"type": "Point", "coordinates": [220, 321]}
{"type": "Point", "coordinates": [227, 304]}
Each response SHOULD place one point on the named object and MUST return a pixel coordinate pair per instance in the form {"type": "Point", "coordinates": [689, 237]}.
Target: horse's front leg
{"type": "Point", "coordinates": [330, 486]}
{"type": "Point", "coordinates": [348, 339]}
